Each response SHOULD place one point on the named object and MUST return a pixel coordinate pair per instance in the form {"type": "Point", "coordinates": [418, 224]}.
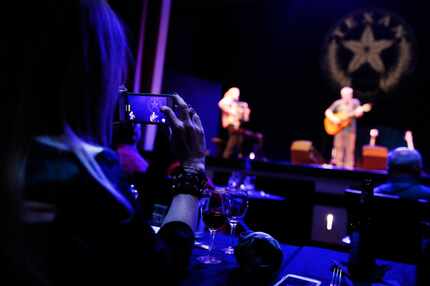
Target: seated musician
{"type": "Point", "coordinates": [234, 112]}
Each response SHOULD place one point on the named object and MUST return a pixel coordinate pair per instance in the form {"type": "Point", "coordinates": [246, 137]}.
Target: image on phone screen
{"type": "Point", "coordinates": [146, 108]}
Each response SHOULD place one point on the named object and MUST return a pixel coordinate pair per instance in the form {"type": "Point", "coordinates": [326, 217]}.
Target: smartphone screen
{"type": "Point", "coordinates": [145, 107]}
{"type": "Point", "coordinates": [296, 280]}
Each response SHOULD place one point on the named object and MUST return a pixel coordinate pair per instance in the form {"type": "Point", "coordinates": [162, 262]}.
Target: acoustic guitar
{"type": "Point", "coordinates": [345, 120]}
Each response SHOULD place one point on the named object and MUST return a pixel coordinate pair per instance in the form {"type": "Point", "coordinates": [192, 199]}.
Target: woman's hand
{"type": "Point", "coordinates": [188, 133]}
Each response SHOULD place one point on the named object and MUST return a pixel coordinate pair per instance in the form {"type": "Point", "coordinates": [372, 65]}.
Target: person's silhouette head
{"type": "Point", "coordinates": [404, 162]}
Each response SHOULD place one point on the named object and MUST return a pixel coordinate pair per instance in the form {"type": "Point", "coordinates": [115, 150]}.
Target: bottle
{"type": "Point", "coordinates": [361, 262]}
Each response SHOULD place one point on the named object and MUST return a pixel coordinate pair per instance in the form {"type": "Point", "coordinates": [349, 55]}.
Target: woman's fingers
{"type": "Point", "coordinates": [197, 122]}
{"type": "Point", "coordinates": [182, 108]}
{"type": "Point", "coordinates": [179, 100]}
{"type": "Point", "coordinates": [184, 113]}
{"type": "Point", "coordinates": [172, 117]}
{"type": "Point", "coordinates": [189, 131]}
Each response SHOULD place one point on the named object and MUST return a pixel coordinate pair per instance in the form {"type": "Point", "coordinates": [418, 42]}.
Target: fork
{"type": "Point", "coordinates": [336, 276]}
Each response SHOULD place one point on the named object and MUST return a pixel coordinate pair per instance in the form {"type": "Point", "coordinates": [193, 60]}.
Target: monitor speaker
{"type": "Point", "coordinates": [374, 157]}
{"type": "Point", "coordinates": [303, 152]}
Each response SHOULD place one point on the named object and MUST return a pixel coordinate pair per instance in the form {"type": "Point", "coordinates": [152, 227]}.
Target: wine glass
{"type": "Point", "coordinates": [235, 179]}
{"type": "Point", "coordinates": [213, 213]}
{"type": "Point", "coordinates": [236, 204]}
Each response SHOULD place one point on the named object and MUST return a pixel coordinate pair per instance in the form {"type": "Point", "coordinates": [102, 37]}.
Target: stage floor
{"type": "Point", "coordinates": [328, 179]}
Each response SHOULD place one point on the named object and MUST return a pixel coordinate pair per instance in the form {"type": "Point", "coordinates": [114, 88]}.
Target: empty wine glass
{"type": "Point", "coordinates": [213, 212]}
{"type": "Point", "coordinates": [236, 204]}
{"type": "Point", "coordinates": [235, 179]}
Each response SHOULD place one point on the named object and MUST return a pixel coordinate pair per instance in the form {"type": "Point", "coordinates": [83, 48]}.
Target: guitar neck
{"type": "Point", "coordinates": [364, 108]}
{"type": "Point", "coordinates": [350, 114]}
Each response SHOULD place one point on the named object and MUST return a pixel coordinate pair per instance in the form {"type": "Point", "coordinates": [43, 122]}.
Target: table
{"type": "Point", "coordinates": [309, 261]}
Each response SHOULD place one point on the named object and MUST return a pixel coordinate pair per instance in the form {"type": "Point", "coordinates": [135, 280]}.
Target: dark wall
{"type": "Point", "coordinates": [272, 50]}
{"type": "Point", "coordinates": [129, 12]}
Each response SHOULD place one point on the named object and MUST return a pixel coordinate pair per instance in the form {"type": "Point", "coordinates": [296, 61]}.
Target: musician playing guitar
{"type": "Point", "coordinates": [346, 109]}
{"type": "Point", "coordinates": [234, 112]}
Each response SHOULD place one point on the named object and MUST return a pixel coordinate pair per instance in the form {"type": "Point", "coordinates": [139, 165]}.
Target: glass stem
{"type": "Point", "coordinates": [232, 232]}
{"type": "Point", "coordinates": [211, 246]}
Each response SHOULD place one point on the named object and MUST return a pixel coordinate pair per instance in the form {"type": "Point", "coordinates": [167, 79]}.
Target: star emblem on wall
{"type": "Point", "coordinates": [375, 42]}
{"type": "Point", "coordinates": [367, 50]}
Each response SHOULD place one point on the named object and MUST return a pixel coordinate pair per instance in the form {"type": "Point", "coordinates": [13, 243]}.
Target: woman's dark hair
{"type": "Point", "coordinates": [124, 133]}
{"type": "Point", "coordinates": [61, 62]}
{"type": "Point", "coordinates": [73, 56]}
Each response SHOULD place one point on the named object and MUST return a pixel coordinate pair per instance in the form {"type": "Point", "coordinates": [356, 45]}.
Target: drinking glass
{"type": "Point", "coordinates": [236, 204]}
{"type": "Point", "coordinates": [213, 213]}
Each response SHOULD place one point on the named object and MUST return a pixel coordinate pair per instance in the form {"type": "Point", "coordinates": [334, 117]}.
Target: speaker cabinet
{"type": "Point", "coordinates": [374, 157]}
{"type": "Point", "coordinates": [303, 152]}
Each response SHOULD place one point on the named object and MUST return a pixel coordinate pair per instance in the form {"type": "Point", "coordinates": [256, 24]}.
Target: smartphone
{"type": "Point", "coordinates": [144, 107]}
{"type": "Point", "coordinates": [297, 280]}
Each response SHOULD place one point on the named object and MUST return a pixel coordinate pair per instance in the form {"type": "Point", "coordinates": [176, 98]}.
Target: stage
{"type": "Point", "coordinates": [330, 181]}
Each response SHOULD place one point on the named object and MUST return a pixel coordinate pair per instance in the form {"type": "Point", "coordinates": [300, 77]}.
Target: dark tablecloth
{"type": "Point", "coordinates": [309, 261]}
